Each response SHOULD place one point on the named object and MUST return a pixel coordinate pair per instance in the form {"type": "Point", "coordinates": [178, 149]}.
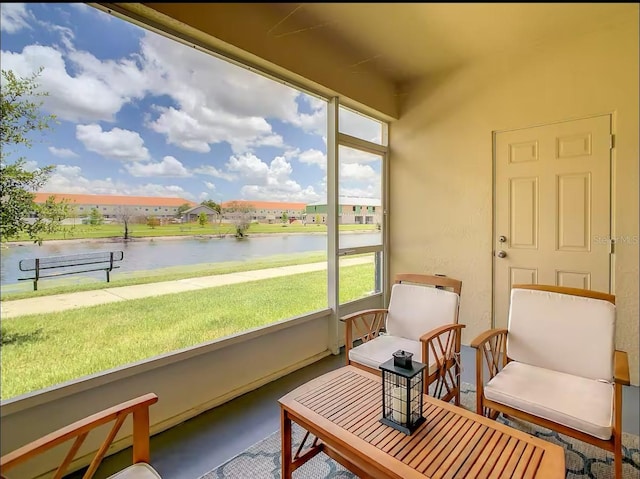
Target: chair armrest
{"type": "Point", "coordinates": [434, 333]}
{"type": "Point", "coordinates": [621, 368]}
{"type": "Point", "coordinates": [484, 337]}
{"type": "Point", "coordinates": [79, 430]}
{"type": "Point", "coordinates": [364, 312]}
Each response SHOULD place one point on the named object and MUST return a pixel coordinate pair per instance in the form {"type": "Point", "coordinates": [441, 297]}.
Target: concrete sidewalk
{"type": "Point", "coordinates": [61, 302]}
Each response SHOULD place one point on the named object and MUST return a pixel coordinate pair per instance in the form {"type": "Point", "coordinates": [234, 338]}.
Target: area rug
{"type": "Point", "coordinates": [262, 460]}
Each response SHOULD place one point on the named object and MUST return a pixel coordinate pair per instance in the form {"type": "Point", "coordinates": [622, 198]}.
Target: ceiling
{"type": "Point", "coordinates": [406, 41]}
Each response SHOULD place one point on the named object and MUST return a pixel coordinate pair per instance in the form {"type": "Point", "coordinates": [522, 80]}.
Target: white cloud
{"type": "Point", "coordinates": [30, 165]}
{"type": "Point", "coordinates": [118, 143]}
{"type": "Point", "coordinates": [269, 181]}
{"type": "Point", "coordinates": [315, 122]}
{"type": "Point", "coordinates": [196, 79]}
{"type": "Point", "coordinates": [62, 152]}
{"type": "Point", "coordinates": [196, 130]}
{"type": "Point", "coordinates": [351, 155]}
{"type": "Point", "coordinates": [83, 97]}
{"type": "Point", "coordinates": [367, 192]}
{"type": "Point", "coordinates": [169, 166]}
{"type": "Point", "coordinates": [211, 101]}
{"type": "Point", "coordinates": [123, 76]}
{"type": "Point", "coordinates": [360, 126]}
{"type": "Point", "coordinates": [213, 171]}
{"type": "Point", "coordinates": [358, 172]}
{"type": "Point", "coordinates": [14, 17]}
{"type": "Point", "coordinates": [154, 189]}
{"type": "Point", "coordinates": [66, 34]}
{"type": "Point", "coordinates": [249, 167]}
{"type": "Point", "coordinates": [215, 101]}
{"type": "Point", "coordinates": [209, 185]}
{"type": "Point", "coordinates": [290, 192]}
{"type": "Point", "coordinates": [313, 157]}
{"type": "Point", "coordinates": [69, 179]}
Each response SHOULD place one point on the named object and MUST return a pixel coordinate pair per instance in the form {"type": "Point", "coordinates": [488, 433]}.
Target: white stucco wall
{"type": "Point", "coordinates": [441, 161]}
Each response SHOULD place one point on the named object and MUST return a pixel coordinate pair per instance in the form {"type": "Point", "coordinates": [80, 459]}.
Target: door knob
{"type": "Point", "coordinates": [501, 254]}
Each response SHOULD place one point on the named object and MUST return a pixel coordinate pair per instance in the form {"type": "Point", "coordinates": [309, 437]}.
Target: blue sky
{"type": "Point", "coordinates": [140, 114]}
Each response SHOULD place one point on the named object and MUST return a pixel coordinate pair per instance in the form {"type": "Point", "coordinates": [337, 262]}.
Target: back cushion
{"type": "Point", "coordinates": [415, 310]}
{"type": "Point", "coordinates": [562, 332]}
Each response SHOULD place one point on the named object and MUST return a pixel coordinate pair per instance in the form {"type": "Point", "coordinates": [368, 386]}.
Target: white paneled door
{"type": "Point", "coordinates": [552, 208]}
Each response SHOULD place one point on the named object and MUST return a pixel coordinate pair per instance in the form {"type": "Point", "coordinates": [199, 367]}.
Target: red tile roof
{"type": "Point", "coordinates": [115, 200]}
{"type": "Point", "coordinates": [267, 205]}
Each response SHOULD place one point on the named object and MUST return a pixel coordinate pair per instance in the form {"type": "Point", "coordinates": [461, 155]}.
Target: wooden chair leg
{"type": "Point", "coordinates": [458, 382]}
{"type": "Point", "coordinates": [617, 430]}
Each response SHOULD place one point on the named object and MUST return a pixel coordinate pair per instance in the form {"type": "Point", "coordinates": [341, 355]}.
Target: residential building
{"type": "Point", "coordinates": [110, 205]}
{"type": "Point", "coordinates": [193, 214]}
{"type": "Point", "coordinates": [351, 211]}
{"type": "Point", "coordinates": [265, 211]}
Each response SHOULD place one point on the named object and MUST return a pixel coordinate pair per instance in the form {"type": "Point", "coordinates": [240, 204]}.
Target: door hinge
{"type": "Point", "coordinates": [612, 246]}
{"type": "Point", "coordinates": [611, 142]}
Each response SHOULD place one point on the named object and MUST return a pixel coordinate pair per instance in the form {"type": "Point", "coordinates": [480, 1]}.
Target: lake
{"type": "Point", "coordinates": [144, 254]}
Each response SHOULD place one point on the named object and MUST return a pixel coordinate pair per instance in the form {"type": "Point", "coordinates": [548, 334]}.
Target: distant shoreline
{"type": "Point", "coordinates": [114, 239]}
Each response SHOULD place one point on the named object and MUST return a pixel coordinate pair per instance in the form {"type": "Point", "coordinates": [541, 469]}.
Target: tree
{"type": "Point", "coordinates": [153, 221]}
{"type": "Point", "coordinates": [215, 207]}
{"type": "Point", "coordinates": [202, 219]}
{"type": "Point", "coordinates": [95, 217]}
{"type": "Point", "coordinates": [240, 214]}
{"type": "Point", "coordinates": [284, 217]}
{"type": "Point", "coordinates": [181, 209]}
{"type": "Point", "coordinates": [20, 116]}
{"type": "Point", "coordinates": [124, 214]}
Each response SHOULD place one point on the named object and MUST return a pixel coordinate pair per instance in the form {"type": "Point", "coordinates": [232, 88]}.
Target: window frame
{"type": "Point", "coordinates": [331, 218]}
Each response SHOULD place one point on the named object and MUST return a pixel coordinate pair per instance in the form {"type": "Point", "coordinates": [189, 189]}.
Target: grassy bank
{"type": "Point", "coordinates": [76, 283]}
{"type": "Point", "coordinates": [139, 231]}
{"type": "Point", "coordinates": [42, 350]}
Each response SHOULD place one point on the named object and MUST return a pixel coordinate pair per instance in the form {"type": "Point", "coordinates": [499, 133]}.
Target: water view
{"type": "Point", "coordinates": [145, 254]}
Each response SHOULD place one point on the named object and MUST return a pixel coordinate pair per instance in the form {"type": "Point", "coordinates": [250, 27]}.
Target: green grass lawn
{"type": "Point", "coordinates": [43, 350]}
{"type": "Point", "coordinates": [75, 283]}
{"type": "Point", "coordinates": [191, 229]}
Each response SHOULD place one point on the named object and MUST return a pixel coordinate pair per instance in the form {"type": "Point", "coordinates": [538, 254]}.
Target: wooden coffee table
{"type": "Point", "coordinates": [342, 410]}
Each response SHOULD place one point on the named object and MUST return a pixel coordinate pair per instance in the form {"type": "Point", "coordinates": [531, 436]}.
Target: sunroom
{"type": "Point", "coordinates": [448, 90]}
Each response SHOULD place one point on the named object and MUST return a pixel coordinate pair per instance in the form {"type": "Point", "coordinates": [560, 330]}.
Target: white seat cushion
{"type": "Point", "coordinates": [415, 310]}
{"type": "Point", "coordinates": [576, 402]}
{"type": "Point", "coordinates": [563, 332]}
{"type": "Point", "coordinates": [376, 351]}
{"type": "Point", "coordinates": [141, 470]}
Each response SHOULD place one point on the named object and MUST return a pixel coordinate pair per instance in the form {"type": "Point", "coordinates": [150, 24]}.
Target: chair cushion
{"type": "Point", "coordinates": [566, 333]}
{"type": "Point", "coordinates": [576, 402]}
{"type": "Point", "coordinates": [415, 310]}
{"type": "Point", "coordinates": [141, 470]}
{"type": "Point", "coordinates": [376, 351]}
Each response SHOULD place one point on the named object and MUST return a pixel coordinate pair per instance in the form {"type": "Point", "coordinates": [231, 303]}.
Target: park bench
{"type": "Point", "coordinates": [41, 268]}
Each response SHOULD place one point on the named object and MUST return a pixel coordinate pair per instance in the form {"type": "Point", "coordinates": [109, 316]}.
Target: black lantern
{"type": "Point", "coordinates": [402, 387]}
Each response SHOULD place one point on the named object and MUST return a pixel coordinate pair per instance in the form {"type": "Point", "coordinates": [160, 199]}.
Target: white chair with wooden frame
{"type": "Point", "coordinates": [140, 468]}
{"type": "Point", "coordinates": [422, 318]}
{"type": "Point", "coordinates": [556, 365]}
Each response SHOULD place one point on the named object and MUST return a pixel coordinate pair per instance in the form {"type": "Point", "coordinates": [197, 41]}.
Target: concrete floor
{"type": "Point", "coordinates": [200, 444]}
